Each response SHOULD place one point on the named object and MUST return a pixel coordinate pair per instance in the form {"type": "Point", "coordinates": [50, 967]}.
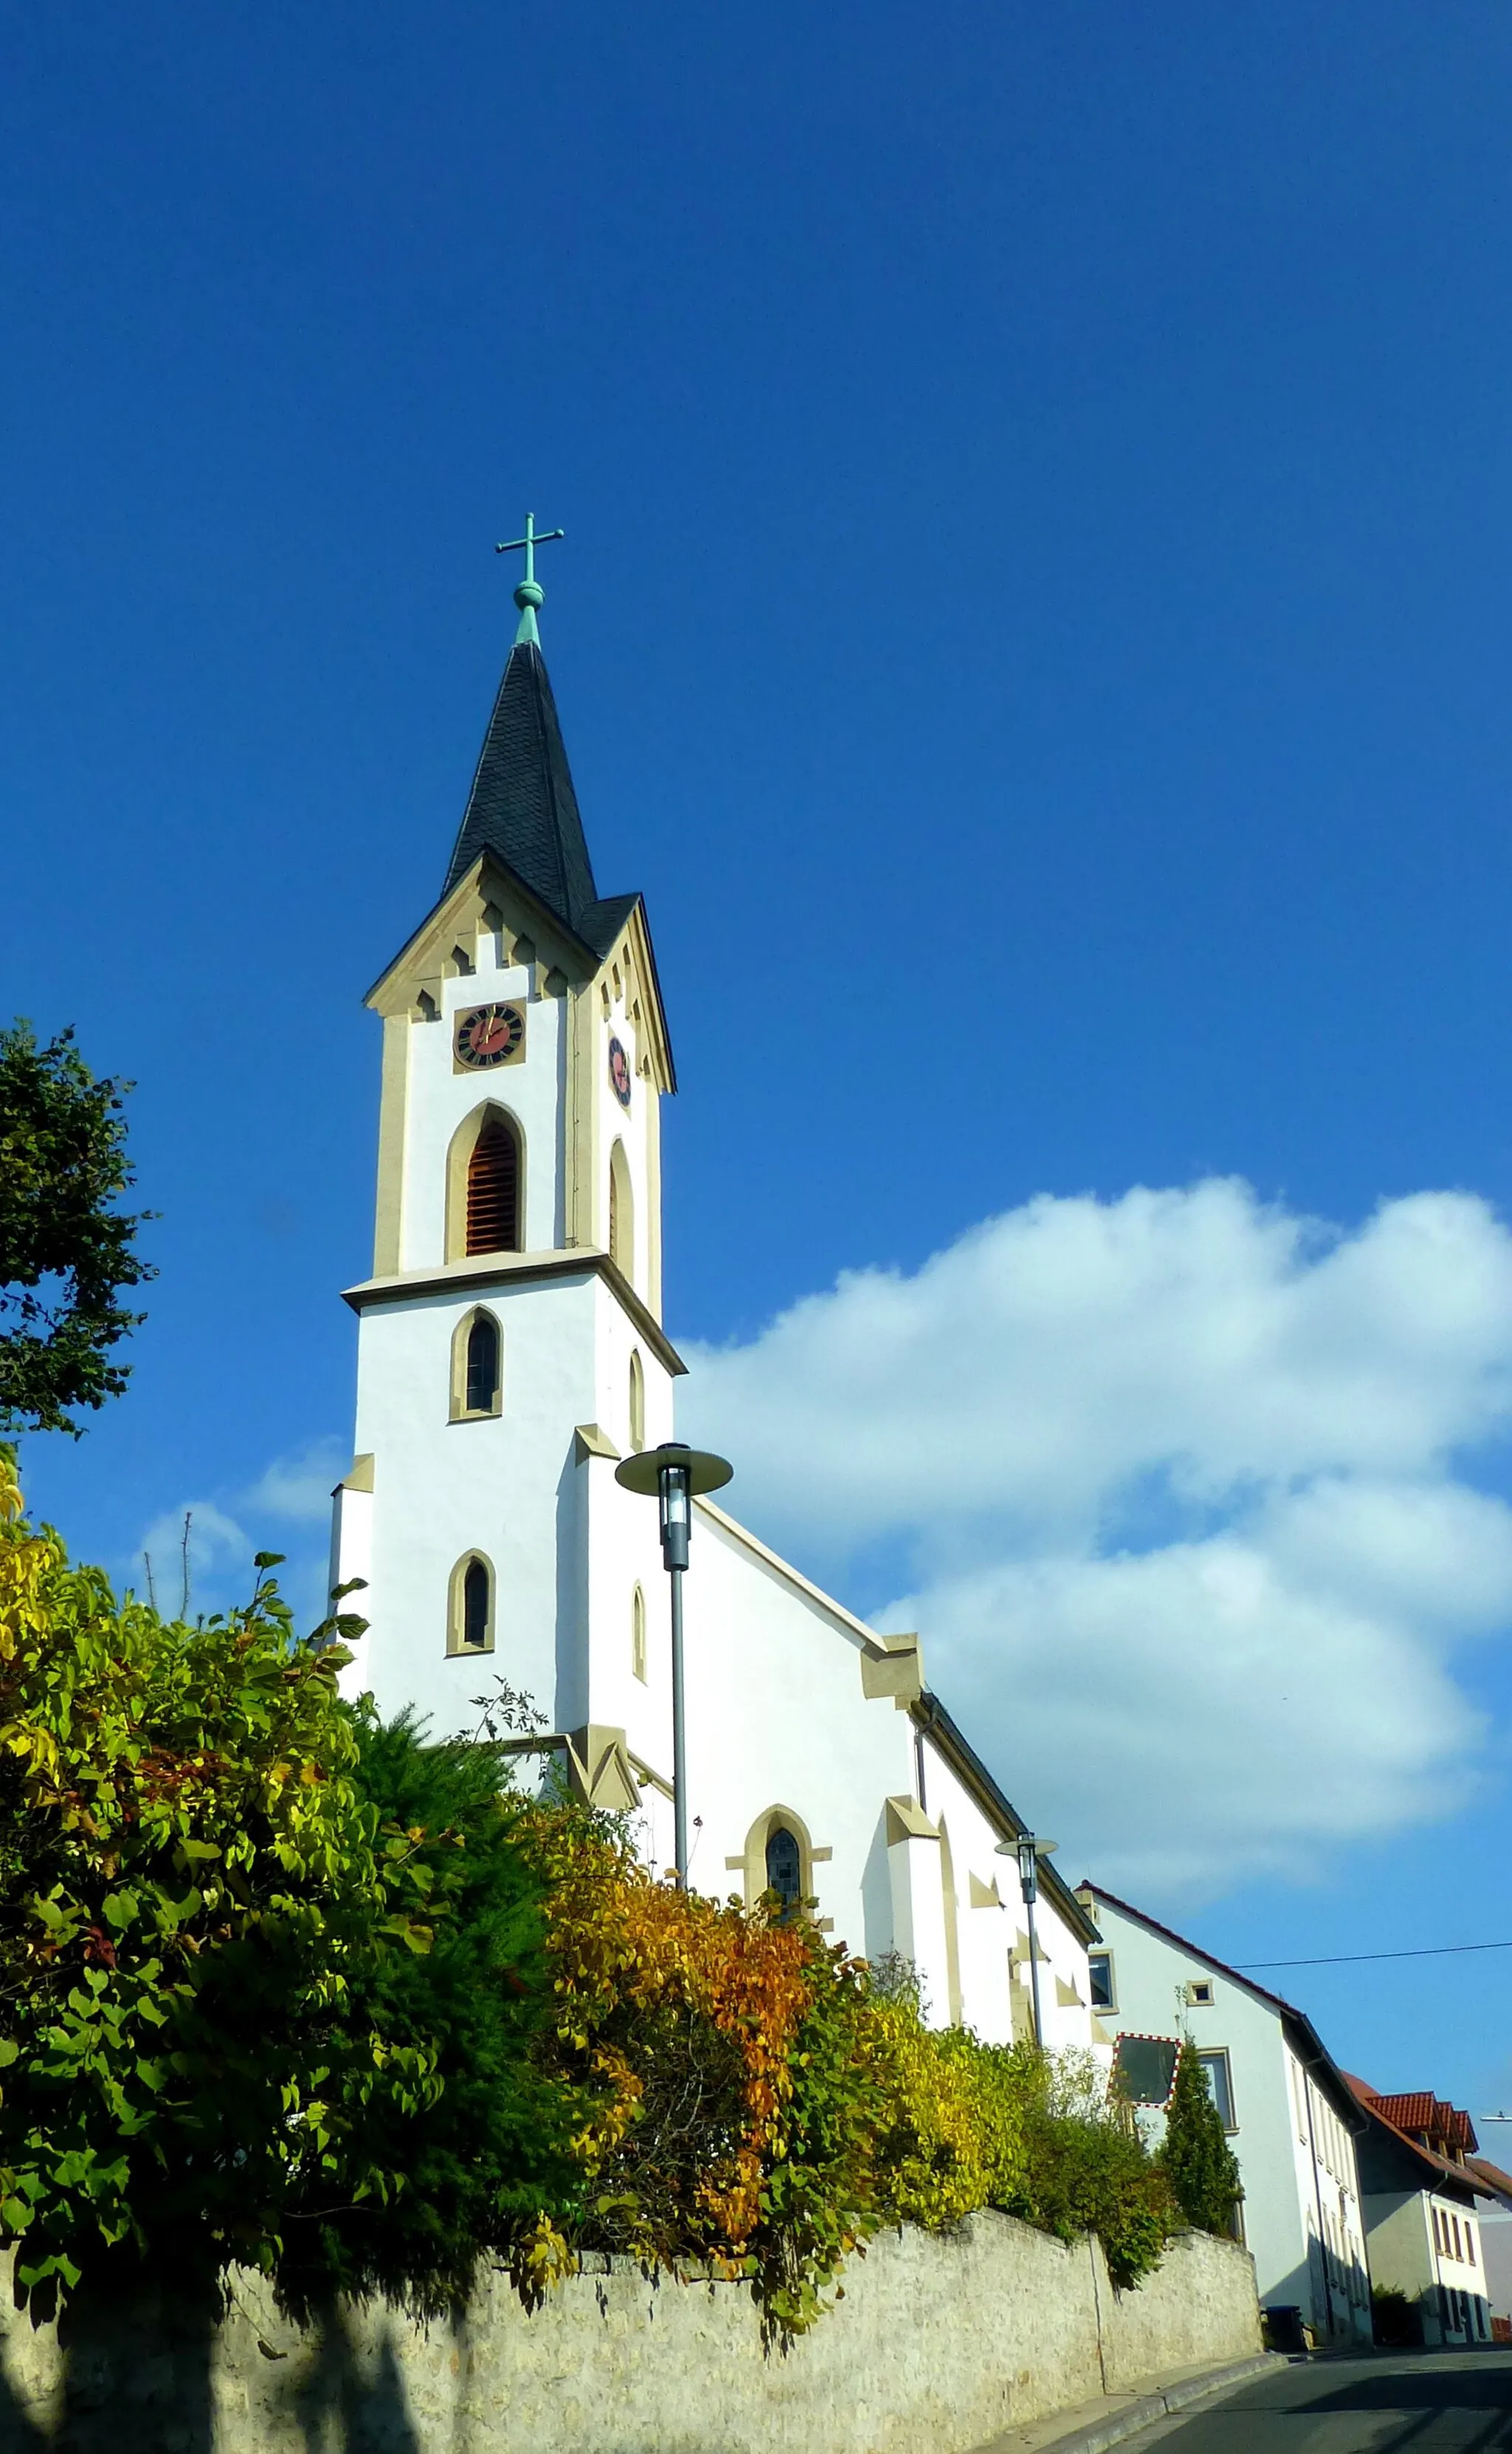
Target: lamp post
{"type": "Point", "coordinates": [674, 1475]}
{"type": "Point", "coordinates": [1028, 1852]}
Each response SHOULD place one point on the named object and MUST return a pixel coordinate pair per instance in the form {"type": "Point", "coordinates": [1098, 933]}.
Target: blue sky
{"type": "Point", "coordinates": [1034, 621]}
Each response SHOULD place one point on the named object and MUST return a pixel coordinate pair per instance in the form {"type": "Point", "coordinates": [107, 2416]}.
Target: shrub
{"type": "Point", "coordinates": [1086, 2169]}
{"type": "Point", "coordinates": [952, 2138]}
{"type": "Point", "coordinates": [212, 2030]}
{"type": "Point", "coordinates": [684, 2026]}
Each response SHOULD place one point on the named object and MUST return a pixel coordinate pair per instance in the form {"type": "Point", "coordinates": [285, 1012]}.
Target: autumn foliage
{"type": "Point", "coordinates": [691, 2033]}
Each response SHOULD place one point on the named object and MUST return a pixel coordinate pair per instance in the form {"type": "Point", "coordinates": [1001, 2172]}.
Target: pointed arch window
{"type": "Point", "coordinates": [493, 1190]}
{"type": "Point", "coordinates": [471, 1606]}
{"type": "Point", "coordinates": [637, 1402]}
{"type": "Point", "coordinates": [477, 1367]}
{"type": "Point", "coordinates": [483, 1363]}
{"type": "Point", "coordinates": [622, 1213]}
{"type": "Point", "coordinates": [784, 1868]}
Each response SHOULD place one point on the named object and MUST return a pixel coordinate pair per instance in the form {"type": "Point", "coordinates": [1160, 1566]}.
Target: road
{"type": "Point", "coordinates": [1433, 2403]}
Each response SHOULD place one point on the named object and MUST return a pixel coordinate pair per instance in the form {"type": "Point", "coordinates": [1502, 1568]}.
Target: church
{"type": "Point", "coordinates": [511, 1352]}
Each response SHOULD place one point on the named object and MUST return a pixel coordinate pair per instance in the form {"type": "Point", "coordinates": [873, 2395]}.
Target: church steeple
{"type": "Point", "coordinates": [522, 806]}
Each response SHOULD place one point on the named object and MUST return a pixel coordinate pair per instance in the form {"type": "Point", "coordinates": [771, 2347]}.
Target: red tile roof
{"type": "Point", "coordinates": [1419, 2112]}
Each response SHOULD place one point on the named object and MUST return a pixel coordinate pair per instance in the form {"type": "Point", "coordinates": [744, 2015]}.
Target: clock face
{"type": "Point", "coordinates": [489, 1035]}
{"type": "Point", "coordinates": [620, 1073]}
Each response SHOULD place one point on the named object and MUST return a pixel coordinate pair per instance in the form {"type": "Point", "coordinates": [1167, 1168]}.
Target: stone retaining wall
{"type": "Point", "coordinates": [939, 2341]}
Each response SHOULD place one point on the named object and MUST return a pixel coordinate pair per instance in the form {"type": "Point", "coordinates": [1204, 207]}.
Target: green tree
{"type": "Point", "coordinates": [214, 2043]}
{"type": "Point", "coordinates": [1194, 2155]}
{"type": "Point", "coordinates": [66, 1252]}
{"type": "Point", "coordinates": [491, 2147]}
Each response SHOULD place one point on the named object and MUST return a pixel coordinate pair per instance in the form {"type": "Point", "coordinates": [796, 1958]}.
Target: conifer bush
{"type": "Point", "coordinates": [1194, 2155]}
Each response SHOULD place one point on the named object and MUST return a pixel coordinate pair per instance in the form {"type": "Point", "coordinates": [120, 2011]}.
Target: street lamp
{"type": "Point", "coordinates": [675, 1474]}
{"type": "Point", "coordinates": [1028, 1852]}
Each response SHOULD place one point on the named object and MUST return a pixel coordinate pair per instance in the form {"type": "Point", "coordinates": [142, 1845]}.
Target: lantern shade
{"type": "Point", "coordinates": [644, 1472]}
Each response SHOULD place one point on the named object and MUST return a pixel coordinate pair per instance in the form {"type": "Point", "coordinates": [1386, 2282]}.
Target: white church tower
{"type": "Point", "coordinates": [510, 1333]}
{"type": "Point", "coordinates": [510, 1353]}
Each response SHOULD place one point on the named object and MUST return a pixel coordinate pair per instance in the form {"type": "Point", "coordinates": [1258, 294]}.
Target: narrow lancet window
{"type": "Point", "coordinates": [622, 1213]}
{"type": "Point", "coordinates": [637, 1405]}
{"type": "Point", "coordinates": [784, 1868]}
{"type": "Point", "coordinates": [475, 1608]}
{"type": "Point", "coordinates": [482, 1364]}
{"type": "Point", "coordinates": [493, 1190]}
{"type": "Point", "coordinates": [638, 1633]}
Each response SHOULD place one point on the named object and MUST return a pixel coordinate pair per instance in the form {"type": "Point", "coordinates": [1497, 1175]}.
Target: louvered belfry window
{"type": "Point", "coordinates": [493, 1190]}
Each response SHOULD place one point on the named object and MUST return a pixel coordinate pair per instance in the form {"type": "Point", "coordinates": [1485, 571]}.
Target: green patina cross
{"type": "Point", "coordinates": [529, 593]}
{"type": "Point", "coordinates": [529, 542]}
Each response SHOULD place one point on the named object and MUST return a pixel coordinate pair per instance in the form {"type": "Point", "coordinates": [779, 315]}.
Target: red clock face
{"type": "Point", "coordinates": [491, 1035]}
{"type": "Point", "coordinates": [620, 1073]}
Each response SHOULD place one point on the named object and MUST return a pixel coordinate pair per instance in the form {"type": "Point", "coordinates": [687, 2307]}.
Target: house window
{"type": "Point", "coordinates": [493, 1190]}
{"type": "Point", "coordinates": [1454, 2221]}
{"type": "Point", "coordinates": [1434, 2215]}
{"type": "Point", "coordinates": [1200, 1992]}
{"type": "Point", "coordinates": [1100, 1980]}
{"type": "Point", "coordinates": [637, 1403]}
{"type": "Point", "coordinates": [1469, 2241]}
{"type": "Point", "coordinates": [482, 1364]}
{"type": "Point", "coordinates": [784, 1868]}
{"type": "Point", "coordinates": [469, 1615]}
{"type": "Point", "coordinates": [1144, 2068]}
{"type": "Point", "coordinates": [1221, 2083]}
{"type": "Point", "coordinates": [638, 1633]}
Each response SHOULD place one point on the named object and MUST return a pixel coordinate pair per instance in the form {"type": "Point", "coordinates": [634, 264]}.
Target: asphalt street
{"type": "Point", "coordinates": [1430, 2402]}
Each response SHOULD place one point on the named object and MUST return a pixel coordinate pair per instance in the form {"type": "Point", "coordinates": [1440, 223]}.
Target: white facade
{"type": "Point", "coordinates": [1291, 2118]}
{"type": "Point", "coordinates": [800, 1718]}
{"type": "Point", "coordinates": [1428, 2244]}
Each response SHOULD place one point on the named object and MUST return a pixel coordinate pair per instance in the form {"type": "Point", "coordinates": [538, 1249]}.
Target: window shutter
{"type": "Point", "coordinates": [493, 1190]}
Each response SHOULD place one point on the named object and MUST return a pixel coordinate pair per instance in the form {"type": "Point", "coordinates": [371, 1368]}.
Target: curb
{"type": "Point", "coordinates": [1117, 2426]}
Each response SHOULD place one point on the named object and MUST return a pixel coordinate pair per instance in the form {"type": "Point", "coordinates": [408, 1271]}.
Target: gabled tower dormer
{"type": "Point", "coordinates": [511, 1326]}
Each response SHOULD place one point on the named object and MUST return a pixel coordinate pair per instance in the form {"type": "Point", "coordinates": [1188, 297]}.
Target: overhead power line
{"type": "Point", "coordinates": [1341, 1958]}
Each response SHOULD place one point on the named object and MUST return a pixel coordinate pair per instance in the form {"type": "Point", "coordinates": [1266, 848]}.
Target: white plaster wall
{"type": "Point", "coordinates": [1151, 1973]}
{"type": "Point", "coordinates": [1333, 2210]}
{"type": "Point", "coordinates": [533, 1092]}
{"type": "Point", "coordinates": [776, 1716]}
{"type": "Point", "coordinates": [1465, 2273]}
{"type": "Point", "coordinates": [989, 1937]}
{"type": "Point", "coordinates": [626, 1126]}
{"type": "Point", "coordinates": [508, 1485]}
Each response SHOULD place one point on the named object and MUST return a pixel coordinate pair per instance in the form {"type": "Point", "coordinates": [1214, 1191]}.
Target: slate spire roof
{"type": "Point", "coordinates": [522, 807]}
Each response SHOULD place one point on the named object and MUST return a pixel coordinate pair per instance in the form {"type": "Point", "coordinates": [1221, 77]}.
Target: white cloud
{"type": "Point", "coordinates": [298, 1488]}
{"type": "Point", "coordinates": [1176, 1481]}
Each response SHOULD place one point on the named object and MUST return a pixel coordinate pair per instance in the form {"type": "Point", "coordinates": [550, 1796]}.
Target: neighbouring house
{"type": "Point", "coordinates": [1496, 2245]}
{"type": "Point", "coordinates": [1421, 2184]}
{"type": "Point", "coordinates": [1291, 2117]}
{"type": "Point", "coordinates": [511, 1352]}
